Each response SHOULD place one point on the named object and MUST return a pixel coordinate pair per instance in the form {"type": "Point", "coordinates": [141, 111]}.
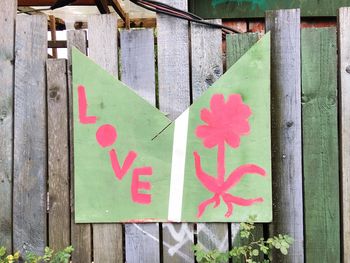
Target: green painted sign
{"type": "Point", "coordinates": [257, 8]}
{"type": "Point", "coordinates": [212, 164]}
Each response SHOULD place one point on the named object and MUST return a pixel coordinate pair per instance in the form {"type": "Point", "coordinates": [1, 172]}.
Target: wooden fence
{"type": "Point", "coordinates": [310, 131]}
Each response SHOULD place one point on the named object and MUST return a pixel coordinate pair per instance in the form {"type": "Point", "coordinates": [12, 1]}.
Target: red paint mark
{"type": "Point", "coordinates": [225, 122]}
{"type": "Point", "coordinates": [121, 171]}
{"type": "Point", "coordinates": [144, 220]}
{"type": "Point", "coordinates": [82, 103]}
{"type": "Point", "coordinates": [106, 135]}
{"type": "Point", "coordinates": [137, 185]}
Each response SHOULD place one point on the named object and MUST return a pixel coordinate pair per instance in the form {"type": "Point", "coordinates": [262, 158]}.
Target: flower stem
{"type": "Point", "coordinates": [221, 163]}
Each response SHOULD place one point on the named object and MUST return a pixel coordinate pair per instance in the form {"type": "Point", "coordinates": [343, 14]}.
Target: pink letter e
{"type": "Point", "coordinates": [136, 185]}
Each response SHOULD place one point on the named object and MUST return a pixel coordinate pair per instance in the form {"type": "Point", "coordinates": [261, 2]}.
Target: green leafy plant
{"type": "Point", "coordinates": [251, 251]}
{"type": "Point", "coordinates": [49, 256]}
{"type": "Point", "coordinates": [8, 258]}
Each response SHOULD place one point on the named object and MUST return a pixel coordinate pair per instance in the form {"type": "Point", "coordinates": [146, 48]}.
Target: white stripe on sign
{"type": "Point", "coordinates": [178, 167]}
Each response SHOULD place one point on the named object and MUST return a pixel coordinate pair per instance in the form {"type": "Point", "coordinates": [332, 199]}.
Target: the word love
{"type": "Point", "coordinates": [106, 136]}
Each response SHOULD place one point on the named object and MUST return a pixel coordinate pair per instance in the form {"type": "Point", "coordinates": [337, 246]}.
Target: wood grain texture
{"type": "Point", "coordinates": [178, 242]}
{"type": "Point", "coordinates": [320, 145]}
{"type": "Point", "coordinates": [103, 49]}
{"type": "Point", "coordinates": [7, 37]}
{"type": "Point", "coordinates": [58, 154]}
{"type": "Point", "coordinates": [30, 155]}
{"type": "Point", "coordinates": [173, 62]}
{"type": "Point", "coordinates": [80, 233]}
{"type": "Point", "coordinates": [138, 72]}
{"type": "Point", "coordinates": [286, 130]}
{"type": "Point", "coordinates": [236, 46]}
{"type": "Point", "coordinates": [206, 56]}
{"type": "Point", "coordinates": [142, 243]}
{"type": "Point", "coordinates": [207, 67]}
{"type": "Point", "coordinates": [344, 81]}
{"type": "Point", "coordinates": [174, 98]}
{"type": "Point", "coordinates": [138, 62]}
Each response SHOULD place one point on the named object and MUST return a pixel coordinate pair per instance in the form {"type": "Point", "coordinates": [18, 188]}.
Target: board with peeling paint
{"type": "Point", "coordinates": [134, 164]}
{"type": "Point", "coordinates": [257, 8]}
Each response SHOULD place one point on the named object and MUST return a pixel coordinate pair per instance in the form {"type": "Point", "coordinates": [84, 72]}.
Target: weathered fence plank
{"type": "Point", "coordinates": [344, 81]}
{"type": "Point", "coordinates": [138, 62]}
{"type": "Point", "coordinates": [173, 62]}
{"type": "Point", "coordinates": [320, 145]}
{"type": "Point", "coordinates": [7, 43]}
{"type": "Point", "coordinates": [58, 154]}
{"type": "Point", "coordinates": [206, 57]}
{"type": "Point", "coordinates": [207, 67]}
{"type": "Point", "coordinates": [30, 158]}
{"type": "Point", "coordinates": [174, 98]}
{"type": "Point", "coordinates": [236, 46]}
{"type": "Point", "coordinates": [138, 72]}
{"type": "Point", "coordinates": [286, 129]}
{"type": "Point", "coordinates": [80, 233]}
{"type": "Point", "coordinates": [103, 49]}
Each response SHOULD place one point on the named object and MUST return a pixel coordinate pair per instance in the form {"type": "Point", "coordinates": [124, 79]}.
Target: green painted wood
{"type": "Point", "coordinates": [101, 197]}
{"type": "Point", "coordinates": [138, 72]}
{"type": "Point", "coordinates": [320, 145]}
{"type": "Point", "coordinates": [81, 235]}
{"type": "Point", "coordinates": [7, 42]}
{"type": "Point", "coordinates": [107, 238]}
{"type": "Point", "coordinates": [257, 8]}
{"type": "Point", "coordinates": [344, 96]}
{"type": "Point", "coordinates": [236, 46]}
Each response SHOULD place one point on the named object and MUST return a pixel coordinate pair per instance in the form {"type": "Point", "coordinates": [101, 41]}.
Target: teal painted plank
{"type": "Point", "coordinates": [236, 46]}
{"type": "Point", "coordinates": [256, 8]}
{"type": "Point", "coordinates": [320, 144]}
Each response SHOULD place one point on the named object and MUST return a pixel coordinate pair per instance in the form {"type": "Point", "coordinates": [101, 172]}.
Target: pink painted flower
{"type": "Point", "coordinates": [226, 121]}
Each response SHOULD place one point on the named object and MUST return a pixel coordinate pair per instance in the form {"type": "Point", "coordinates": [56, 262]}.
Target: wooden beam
{"type": "Point", "coordinates": [120, 11]}
{"type": "Point", "coordinates": [53, 34]}
{"type": "Point", "coordinates": [51, 2]}
{"type": "Point", "coordinates": [134, 22]}
{"type": "Point", "coordinates": [102, 6]}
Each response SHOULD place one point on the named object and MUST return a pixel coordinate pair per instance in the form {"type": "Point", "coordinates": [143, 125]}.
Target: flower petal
{"type": "Point", "coordinates": [203, 131]}
{"type": "Point", "coordinates": [206, 116]}
{"type": "Point", "coordinates": [233, 140]}
{"type": "Point", "coordinates": [217, 104]}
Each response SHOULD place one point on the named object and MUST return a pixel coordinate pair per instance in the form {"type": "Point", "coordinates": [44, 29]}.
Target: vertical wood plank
{"type": "Point", "coordinates": [286, 129]}
{"type": "Point", "coordinates": [138, 63]}
{"type": "Point", "coordinates": [344, 81]}
{"type": "Point", "coordinates": [80, 233]}
{"type": "Point", "coordinates": [207, 67]}
{"type": "Point", "coordinates": [103, 49]}
{"type": "Point", "coordinates": [7, 42]}
{"type": "Point", "coordinates": [138, 72]}
{"type": "Point", "coordinates": [236, 46]}
{"type": "Point", "coordinates": [173, 62]}
{"type": "Point", "coordinates": [30, 156]}
{"type": "Point", "coordinates": [174, 98]}
{"type": "Point", "coordinates": [320, 145]}
{"type": "Point", "coordinates": [58, 154]}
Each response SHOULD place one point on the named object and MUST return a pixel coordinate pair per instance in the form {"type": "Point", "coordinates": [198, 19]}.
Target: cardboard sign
{"type": "Point", "coordinates": [212, 164]}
